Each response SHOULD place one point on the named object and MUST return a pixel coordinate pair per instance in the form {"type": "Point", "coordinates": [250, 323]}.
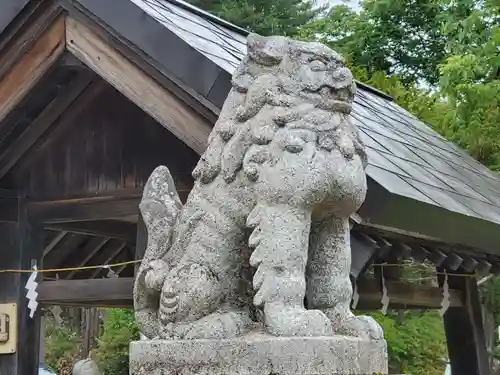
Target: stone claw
{"type": "Point", "coordinates": [362, 326]}
{"type": "Point", "coordinates": [282, 320]}
{"type": "Point", "coordinates": [156, 275]}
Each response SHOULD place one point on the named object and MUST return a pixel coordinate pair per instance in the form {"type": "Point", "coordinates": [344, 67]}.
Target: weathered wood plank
{"type": "Point", "coordinates": [32, 66]}
{"type": "Point", "coordinates": [21, 244]}
{"type": "Point", "coordinates": [9, 209]}
{"type": "Point", "coordinates": [404, 295]}
{"type": "Point", "coordinates": [109, 206]}
{"type": "Point", "coordinates": [43, 122]}
{"type": "Point", "coordinates": [86, 291]}
{"type": "Point", "coordinates": [20, 35]}
{"type": "Point", "coordinates": [102, 292]}
{"type": "Point", "coordinates": [464, 330]}
{"type": "Point", "coordinates": [132, 82]}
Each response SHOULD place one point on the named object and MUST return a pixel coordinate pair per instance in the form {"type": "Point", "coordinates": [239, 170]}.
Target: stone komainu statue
{"type": "Point", "coordinates": [273, 192]}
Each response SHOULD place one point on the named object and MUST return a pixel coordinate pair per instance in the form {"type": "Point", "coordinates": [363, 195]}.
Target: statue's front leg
{"type": "Point", "coordinates": [328, 284]}
{"type": "Point", "coordinates": [280, 241]}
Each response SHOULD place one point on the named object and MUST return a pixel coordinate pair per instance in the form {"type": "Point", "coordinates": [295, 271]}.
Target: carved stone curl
{"type": "Point", "coordinates": [283, 171]}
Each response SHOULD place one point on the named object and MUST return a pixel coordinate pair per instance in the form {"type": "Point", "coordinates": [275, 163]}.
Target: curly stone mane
{"type": "Point", "coordinates": [304, 86]}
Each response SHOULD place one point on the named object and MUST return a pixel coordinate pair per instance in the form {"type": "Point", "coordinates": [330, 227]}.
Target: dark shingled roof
{"type": "Point", "coordinates": [420, 185]}
{"type": "Point", "coordinates": [406, 157]}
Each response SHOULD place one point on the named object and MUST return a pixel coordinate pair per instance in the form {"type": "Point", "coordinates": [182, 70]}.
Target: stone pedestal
{"type": "Point", "coordinates": [260, 354]}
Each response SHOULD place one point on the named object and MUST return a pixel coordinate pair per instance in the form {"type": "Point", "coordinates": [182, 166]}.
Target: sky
{"type": "Point", "coordinates": [353, 3]}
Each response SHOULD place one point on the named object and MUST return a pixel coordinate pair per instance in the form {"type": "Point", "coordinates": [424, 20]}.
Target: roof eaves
{"type": "Point", "coordinates": [209, 16]}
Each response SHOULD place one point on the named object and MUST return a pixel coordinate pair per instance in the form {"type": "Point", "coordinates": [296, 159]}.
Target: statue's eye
{"type": "Point", "coordinates": [317, 65]}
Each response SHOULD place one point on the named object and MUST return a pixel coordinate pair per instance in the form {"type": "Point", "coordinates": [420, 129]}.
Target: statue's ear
{"type": "Point", "coordinates": [266, 50]}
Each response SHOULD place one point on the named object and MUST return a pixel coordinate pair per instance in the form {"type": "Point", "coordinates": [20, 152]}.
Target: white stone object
{"type": "Point", "coordinates": [260, 355]}
{"type": "Point", "coordinates": [86, 367]}
{"type": "Point", "coordinates": [265, 227]}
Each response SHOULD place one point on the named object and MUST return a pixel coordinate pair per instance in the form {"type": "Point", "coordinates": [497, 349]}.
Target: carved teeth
{"type": "Point", "coordinates": [170, 302]}
{"type": "Point", "coordinates": [258, 277]}
{"type": "Point", "coordinates": [169, 310]}
{"type": "Point", "coordinates": [255, 260]}
{"type": "Point", "coordinates": [253, 218]}
{"type": "Point", "coordinates": [255, 238]}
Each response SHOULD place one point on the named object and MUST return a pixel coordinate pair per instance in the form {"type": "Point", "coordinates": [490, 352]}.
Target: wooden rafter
{"type": "Point", "coordinates": [123, 230]}
{"type": "Point", "coordinates": [101, 257]}
{"type": "Point", "coordinates": [53, 243]}
{"type": "Point", "coordinates": [137, 86]}
{"type": "Point", "coordinates": [93, 246]}
{"type": "Point", "coordinates": [31, 66]}
{"type": "Point", "coordinates": [42, 123]}
{"type": "Point", "coordinates": [110, 258]}
{"type": "Point", "coordinates": [60, 253]}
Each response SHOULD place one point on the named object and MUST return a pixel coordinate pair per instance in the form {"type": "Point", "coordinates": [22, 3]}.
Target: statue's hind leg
{"type": "Point", "coordinates": [280, 238]}
{"type": "Point", "coordinates": [328, 284]}
{"type": "Point", "coordinates": [202, 296]}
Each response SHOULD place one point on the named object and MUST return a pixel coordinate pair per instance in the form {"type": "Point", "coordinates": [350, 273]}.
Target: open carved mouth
{"type": "Point", "coordinates": [330, 98]}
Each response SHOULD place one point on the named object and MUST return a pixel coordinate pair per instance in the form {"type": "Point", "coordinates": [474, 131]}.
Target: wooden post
{"type": "Point", "coordinates": [20, 243]}
{"type": "Point", "coordinates": [464, 330]}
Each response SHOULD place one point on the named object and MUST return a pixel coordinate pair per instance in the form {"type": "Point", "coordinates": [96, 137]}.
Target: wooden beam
{"type": "Point", "coordinates": [104, 228]}
{"type": "Point", "coordinates": [69, 118]}
{"type": "Point", "coordinates": [404, 295]}
{"type": "Point", "coordinates": [101, 257]}
{"type": "Point", "coordinates": [43, 122]}
{"type": "Point", "coordinates": [464, 330]}
{"type": "Point", "coordinates": [96, 292]}
{"type": "Point", "coordinates": [110, 258]}
{"type": "Point", "coordinates": [26, 72]}
{"type": "Point", "coordinates": [145, 92]}
{"type": "Point", "coordinates": [21, 244]}
{"type": "Point", "coordinates": [57, 238]}
{"type": "Point", "coordinates": [109, 206]}
{"type": "Point", "coordinates": [93, 246]}
{"type": "Point", "coordinates": [58, 255]}
{"type": "Point", "coordinates": [102, 292]}
{"type": "Point", "coordinates": [19, 36]}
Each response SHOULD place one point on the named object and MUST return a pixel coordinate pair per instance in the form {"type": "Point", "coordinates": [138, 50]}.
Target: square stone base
{"type": "Point", "coordinates": [260, 354]}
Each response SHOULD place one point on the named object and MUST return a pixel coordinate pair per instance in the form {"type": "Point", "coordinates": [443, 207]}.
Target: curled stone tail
{"type": "Point", "coordinates": [160, 206]}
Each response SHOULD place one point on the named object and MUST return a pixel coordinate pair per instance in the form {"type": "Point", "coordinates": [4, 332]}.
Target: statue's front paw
{"type": "Point", "coordinates": [283, 320]}
{"type": "Point", "coordinates": [362, 326]}
{"type": "Point", "coordinates": [156, 274]}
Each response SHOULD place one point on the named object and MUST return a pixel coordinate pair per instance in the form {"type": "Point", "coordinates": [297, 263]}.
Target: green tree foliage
{"type": "Point", "coordinates": [265, 17]}
{"type": "Point", "coordinates": [470, 77]}
{"type": "Point", "coordinates": [62, 346]}
{"type": "Point", "coordinates": [401, 37]}
{"type": "Point", "coordinates": [119, 330]}
{"type": "Point", "coordinates": [417, 346]}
